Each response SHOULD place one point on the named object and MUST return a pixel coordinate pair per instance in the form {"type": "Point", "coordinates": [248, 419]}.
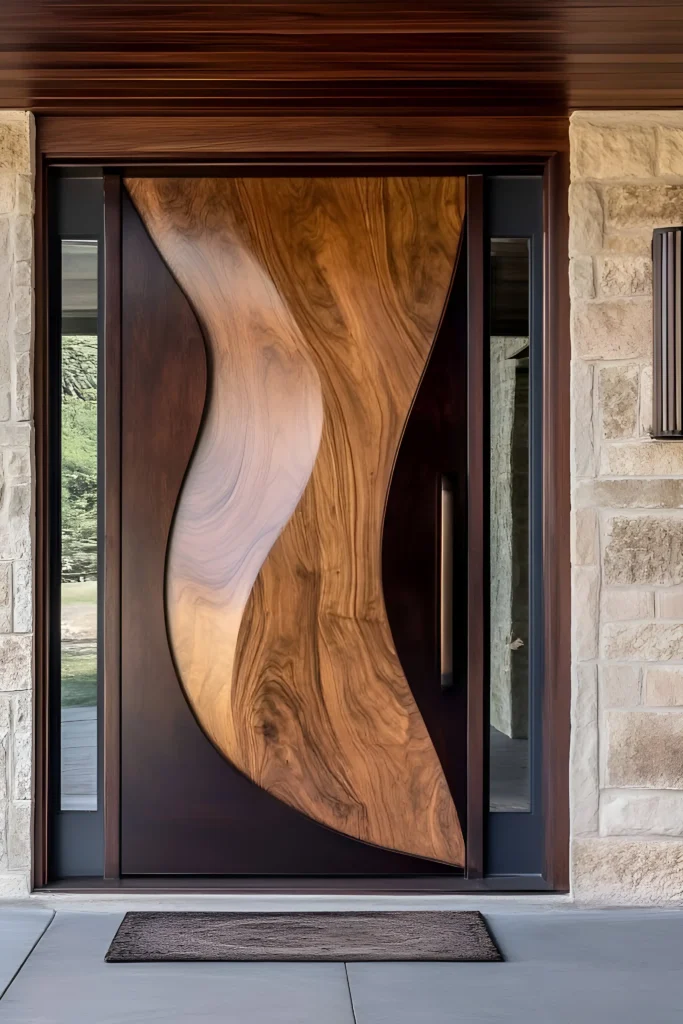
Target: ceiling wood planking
{"type": "Point", "coordinates": [151, 57]}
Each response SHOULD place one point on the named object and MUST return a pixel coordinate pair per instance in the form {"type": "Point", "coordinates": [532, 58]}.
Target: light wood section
{"type": "Point", "coordinates": [319, 300]}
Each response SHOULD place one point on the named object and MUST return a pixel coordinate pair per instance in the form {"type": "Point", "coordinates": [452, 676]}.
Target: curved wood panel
{"type": "Point", "coordinates": [433, 448]}
{"type": "Point", "coordinates": [319, 299]}
{"type": "Point", "coordinates": [185, 809]}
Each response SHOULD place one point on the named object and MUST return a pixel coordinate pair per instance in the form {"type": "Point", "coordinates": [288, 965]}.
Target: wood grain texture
{"type": "Point", "coordinates": [185, 809]}
{"type": "Point", "coordinates": [308, 139]}
{"type": "Point", "coordinates": [319, 300]}
{"type": "Point", "coordinates": [150, 56]}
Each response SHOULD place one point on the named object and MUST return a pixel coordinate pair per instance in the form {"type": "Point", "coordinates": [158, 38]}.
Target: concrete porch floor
{"type": "Point", "coordinates": [564, 966]}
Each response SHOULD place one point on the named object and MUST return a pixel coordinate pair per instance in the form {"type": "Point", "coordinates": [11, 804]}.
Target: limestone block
{"type": "Point", "coordinates": [22, 751]}
{"type": "Point", "coordinates": [23, 237]}
{"type": "Point", "coordinates": [15, 435]}
{"type": "Point", "coordinates": [625, 275]}
{"type": "Point", "coordinates": [637, 243]}
{"type": "Point", "coordinates": [4, 781]}
{"type": "Point", "coordinates": [664, 687]}
{"type": "Point", "coordinates": [15, 662]}
{"type": "Point", "coordinates": [646, 400]}
{"type": "Point", "coordinates": [5, 597]}
{"type": "Point", "coordinates": [19, 504]}
{"type": "Point", "coordinates": [644, 749]}
{"type": "Point", "coordinates": [581, 284]}
{"type": "Point", "coordinates": [620, 686]}
{"type": "Point", "coordinates": [22, 386]}
{"type": "Point", "coordinates": [25, 195]}
{"type": "Point", "coordinates": [641, 814]}
{"type": "Point", "coordinates": [627, 871]}
{"type": "Point", "coordinates": [15, 536]}
{"type": "Point", "coordinates": [670, 150]}
{"type": "Point", "coordinates": [584, 750]}
{"type": "Point", "coordinates": [612, 329]}
{"type": "Point", "coordinates": [627, 604]}
{"type": "Point", "coordinates": [19, 839]}
{"type": "Point", "coordinates": [618, 395]}
{"type": "Point", "coordinates": [14, 885]}
{"type": "Point", "coordinates": [602, 151]}
{"type": "Point", "coordinates": [23, 597]}
{"type": "Point", "coordinates": [670, 604]}
{"type": "Point", "coordinates": [582, 418]}
{"type": "Point", "coordinates": [15, 141]}
{"type": "Point", "coordinates": [637, 492]}
{"type": "Point", "coordinates": [643, 549]}
{"type": "Point", "coordinates": [639, 206]}
{"type": "Point", "coordinates": [585, 537]}
{"type": "Point", "coordinates": [5, 706]}
{"type": "Point", "coordinates": [585, 219]}
{"type": "Point", "coordinates": [648, 641]}
{"type": "Point", "coordinates": [7, 193]}
{"type": "Point", "coordinates": [22, 299]}
{"type": "Point", "coordinates": [22, 710]}
{"type": "Point", "coordinates": [585, 604]}
{"type": "Point", "coordinates": [18, 464]}
{"type": "Point", "coordinates": [642, 458]}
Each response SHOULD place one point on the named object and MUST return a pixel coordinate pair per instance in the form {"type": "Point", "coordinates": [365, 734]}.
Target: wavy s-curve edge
{"type": "Point", "coordinates": [319, 300]}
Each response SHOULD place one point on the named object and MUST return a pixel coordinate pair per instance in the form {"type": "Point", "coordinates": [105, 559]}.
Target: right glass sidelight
{"type": "Point", "coordinates": [509, 525]}
{"type": "Point", "coordinates": [514, 310]}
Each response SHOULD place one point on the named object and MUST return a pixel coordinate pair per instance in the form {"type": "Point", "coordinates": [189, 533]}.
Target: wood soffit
{"type": "Point", "coordinates": [149, 57]}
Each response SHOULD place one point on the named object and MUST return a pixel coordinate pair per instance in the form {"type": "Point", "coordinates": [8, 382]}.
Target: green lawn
{"type": "Point", "coordinates": [79, 676]}
{"type": "Point", "coordinates": [79, 593]}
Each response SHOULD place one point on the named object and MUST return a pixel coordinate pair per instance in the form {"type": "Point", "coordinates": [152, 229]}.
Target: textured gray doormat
{"type": "Point", "coordinates": [414, 935]}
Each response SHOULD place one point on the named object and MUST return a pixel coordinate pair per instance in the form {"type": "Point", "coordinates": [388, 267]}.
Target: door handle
{"type": "Point", "coordinates": [446, 583]}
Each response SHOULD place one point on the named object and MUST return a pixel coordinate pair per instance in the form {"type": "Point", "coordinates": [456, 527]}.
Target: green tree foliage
{"type": "Point", "coordinates": [79, 457]}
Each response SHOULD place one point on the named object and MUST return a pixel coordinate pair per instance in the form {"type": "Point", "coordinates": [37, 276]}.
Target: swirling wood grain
{"type": "Point", "coordinates": [319, 300]}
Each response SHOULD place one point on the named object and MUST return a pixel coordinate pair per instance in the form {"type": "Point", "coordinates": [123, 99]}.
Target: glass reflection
{"type": "Point", "coordinates": [79, 527]}
{"type": "Point", "coordinates": [509, 525]}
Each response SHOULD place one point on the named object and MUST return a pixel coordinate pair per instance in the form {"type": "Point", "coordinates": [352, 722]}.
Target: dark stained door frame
{"type": "Point", "coordinates": [543, 144]}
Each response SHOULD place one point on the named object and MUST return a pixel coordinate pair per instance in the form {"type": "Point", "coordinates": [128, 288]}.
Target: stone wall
{"type": "Point", "coordinates": [16, 591]}
{"type": "Point", "coordinates": [627, 533]}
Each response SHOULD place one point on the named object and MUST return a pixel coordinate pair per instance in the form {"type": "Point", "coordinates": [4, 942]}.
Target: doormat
{"type": "Point", "coordinates": [145, 937]}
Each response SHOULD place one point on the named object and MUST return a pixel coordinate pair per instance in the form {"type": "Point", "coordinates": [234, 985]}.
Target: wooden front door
{"type": "Point", "coordinates": [293, 525]}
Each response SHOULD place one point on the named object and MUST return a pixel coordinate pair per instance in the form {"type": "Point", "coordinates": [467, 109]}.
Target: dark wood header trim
{"type": "Point", "coordinates": [125, 139]}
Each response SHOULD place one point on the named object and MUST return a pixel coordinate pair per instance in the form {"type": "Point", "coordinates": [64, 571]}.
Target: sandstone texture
{"type": "Point", "coordinates": [644, 550]}
{"type": "Point", "coordinates": [632, 737]}
{"type": "Point", "coordinates": [627, 871]}
{"type": "Point", "coordinates": [620, 685]}
{"type": "Point", "coordinates": [627, 522]}
{"type": "Point", "coordinates": [16, 500]}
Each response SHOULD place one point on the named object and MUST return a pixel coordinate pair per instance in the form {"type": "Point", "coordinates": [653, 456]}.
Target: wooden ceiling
{"type": "Point", "coordinates": [339, 56]}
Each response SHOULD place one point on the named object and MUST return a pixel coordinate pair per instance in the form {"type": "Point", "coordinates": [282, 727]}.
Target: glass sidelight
{"type": "Point", "coordinates": [515, 649]}
{"type": "Point", "coordinates": [509, 525]}
{"type": "Point", "coordinates": [75, 364]}
{"type": "Point", "coordinates": [79, 555]}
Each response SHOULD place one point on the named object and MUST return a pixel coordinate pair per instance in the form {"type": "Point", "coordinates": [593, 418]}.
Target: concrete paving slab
{"type": "Point", "coordinates": [20, 930]}
{"type": "Point", "coordinates": [574, 967]}
{"type": "Point", "coordinates": [66, 981]}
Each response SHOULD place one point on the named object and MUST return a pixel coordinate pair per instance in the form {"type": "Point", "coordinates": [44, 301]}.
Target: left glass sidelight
{"type": "Point", "coordinates": [79, 554]}
{"type": "Point", "coordinates": [75, 368]}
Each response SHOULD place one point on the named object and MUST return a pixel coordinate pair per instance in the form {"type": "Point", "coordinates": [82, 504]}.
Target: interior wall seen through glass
{"type": "Point", "coordinates": [509, 525]}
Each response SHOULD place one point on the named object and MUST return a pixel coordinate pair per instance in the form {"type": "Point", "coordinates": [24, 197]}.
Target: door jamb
{"type": "Point", "coordinates": [266, 145]}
